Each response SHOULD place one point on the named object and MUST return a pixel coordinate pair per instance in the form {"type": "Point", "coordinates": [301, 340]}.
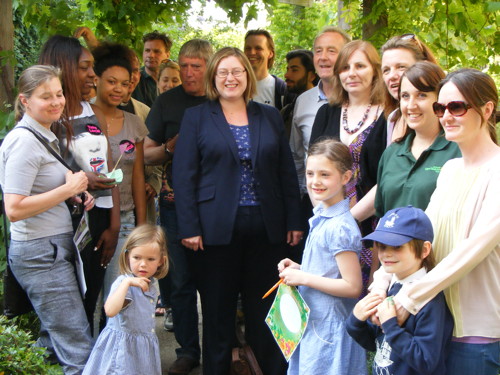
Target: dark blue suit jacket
{"type": "Point", "coordinates": [206, 174]}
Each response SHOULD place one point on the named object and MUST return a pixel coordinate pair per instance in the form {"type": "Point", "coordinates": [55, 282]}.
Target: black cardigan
{"type": "Point", "coordinates": [327, 124]}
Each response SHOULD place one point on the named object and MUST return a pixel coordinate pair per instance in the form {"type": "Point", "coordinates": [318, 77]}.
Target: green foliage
{"type": "Point", "coordinates": [461, 33]}
{"type": "Point", "coordinates": [18, 355]}
{"type": "Point", "coordinates": [27, 44]}
{"type": "Point", "coordinates": [124, 21]}
{"type": "Point", "coordinates": [294, 27]}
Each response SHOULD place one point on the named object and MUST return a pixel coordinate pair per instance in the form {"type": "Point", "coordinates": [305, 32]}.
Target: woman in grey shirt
{"type": "Point", "coordinates": [36, 186]}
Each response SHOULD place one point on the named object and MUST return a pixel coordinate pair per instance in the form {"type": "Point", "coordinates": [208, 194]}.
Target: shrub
{"type": "Point", "coordinates": [18, 355]}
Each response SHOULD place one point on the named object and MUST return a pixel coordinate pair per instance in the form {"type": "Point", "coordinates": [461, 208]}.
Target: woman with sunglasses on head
{"type": "Point", "coordinates": [355, 116]}
{"type": "Point", "coordinates": [398, 54]}
{"type": "Point", "coordinates": [86, 147]}
{"type": "Point", "coordinates": [409, 168]}
{"type": "Point", "coordinates": [465, 213]}
{"type": "Point", "coordinates": [238, 203]}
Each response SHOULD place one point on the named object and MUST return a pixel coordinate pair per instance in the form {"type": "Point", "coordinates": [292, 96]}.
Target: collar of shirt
{"type": "Point", "coordinates": [321, 94]}
{"type": "Point", "coordinates": [408, 280]}
{"type": "Point", "coordinates": [439, 143]}
{"type": "Point", "coordinates": [335, 210]}
{"type": "Point", "coordinates": [144, 74]}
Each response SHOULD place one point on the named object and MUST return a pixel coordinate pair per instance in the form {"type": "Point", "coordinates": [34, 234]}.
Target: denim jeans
{"type": "Point", "coordinates": [45, 268]}
{"type": "Point", "coordinates": [477, 359]}
{"type": "Point", "coordinates": [183, 297]}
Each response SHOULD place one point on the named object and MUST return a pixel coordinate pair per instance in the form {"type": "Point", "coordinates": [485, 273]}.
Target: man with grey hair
{"type": "Point", "coordinates": [164, 122]}
{"type": "Point", "coordinates": [326, 48]}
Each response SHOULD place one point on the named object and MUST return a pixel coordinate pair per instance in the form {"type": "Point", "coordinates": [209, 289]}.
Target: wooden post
{"type": "Point", "coordinates": [6, 47]}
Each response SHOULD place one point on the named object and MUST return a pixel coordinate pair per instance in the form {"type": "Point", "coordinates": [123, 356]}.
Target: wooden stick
{"type": "Point", "coordinates": [273, 288]}
{"type": "Point", "coordinates": [116, 165]}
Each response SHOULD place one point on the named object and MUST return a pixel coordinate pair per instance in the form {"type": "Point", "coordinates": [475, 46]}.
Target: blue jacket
{"type": "Point", "coordinates": [206, 174]}
{"type": "Point", "coordinates": [420, 347]}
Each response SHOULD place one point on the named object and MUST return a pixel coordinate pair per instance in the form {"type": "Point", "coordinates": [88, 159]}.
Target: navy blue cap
{"type": "Point", "coordinates": [401, 225]}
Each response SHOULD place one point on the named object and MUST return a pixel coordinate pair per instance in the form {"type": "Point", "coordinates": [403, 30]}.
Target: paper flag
{"type": "Point", "coordinates": [287, 318]}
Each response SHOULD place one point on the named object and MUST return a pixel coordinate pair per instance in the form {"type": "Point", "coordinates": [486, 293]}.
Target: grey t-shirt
{"type": "Point", "coordinates": [27, 168]}
{"type": "Point", "coordinates": [133, 131]}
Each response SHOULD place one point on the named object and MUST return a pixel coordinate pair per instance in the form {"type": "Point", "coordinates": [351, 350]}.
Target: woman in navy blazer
{"type": "Point", "coordinates": [237, 200]}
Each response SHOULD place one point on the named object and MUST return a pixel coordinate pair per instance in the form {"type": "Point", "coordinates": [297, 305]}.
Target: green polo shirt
{"type": "Point", "coordinates": [402, 180]}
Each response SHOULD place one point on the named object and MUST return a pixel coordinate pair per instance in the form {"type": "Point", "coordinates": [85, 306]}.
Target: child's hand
{"type": "Point", "coordinates": [285, 263]}
{"type": "Point", "coordinates": [386, 310]}
{"type": "Point", "coordinates": [141, 282]}
{"type": "Point", "coordinates": [293, 277]}
{"type": "Point", "coordinates": [367, 307]}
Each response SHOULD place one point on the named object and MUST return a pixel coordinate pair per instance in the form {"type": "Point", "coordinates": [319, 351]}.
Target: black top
{"type": "Point", "coordinates": [146, 90]}
{"type": "Point", "coordinates": [164, 119]}
{"type": "Point", "coordinates": [327, 123]}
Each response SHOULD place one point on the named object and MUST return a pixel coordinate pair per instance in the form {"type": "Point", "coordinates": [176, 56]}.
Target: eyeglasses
{"type": "Point", "coordinates": [413, 37]}
{"type": "Point", "coordinates": [223, 73]}
{"type": "Point", "coordinates": [456, 108]}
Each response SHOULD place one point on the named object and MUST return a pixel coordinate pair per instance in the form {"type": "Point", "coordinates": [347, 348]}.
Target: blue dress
{"type": "Point", "coordinates": [326, 348]}
{"type": "Point", "coordinates": [128, 344]}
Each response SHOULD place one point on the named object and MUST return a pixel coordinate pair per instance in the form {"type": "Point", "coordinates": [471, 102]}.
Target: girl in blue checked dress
{"type": "Point", "coordinates": [329, 278]}
{"type": "Point", "coordinates": [128, 344]}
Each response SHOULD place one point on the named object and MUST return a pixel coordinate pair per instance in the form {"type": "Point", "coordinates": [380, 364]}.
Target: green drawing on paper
{"type": "Point", "coordinates": [287, 318]}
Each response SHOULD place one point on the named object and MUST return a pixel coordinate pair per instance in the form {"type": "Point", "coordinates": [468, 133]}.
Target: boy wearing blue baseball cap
{"type": "Point", "coordinates": [403, 240]}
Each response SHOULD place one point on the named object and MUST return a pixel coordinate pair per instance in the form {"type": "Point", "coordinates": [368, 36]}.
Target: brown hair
{"type": "Point", "coordinates": [213, 64]}
{"type": "Point", "coordinates": [339, 95]}
{"type": "Point", "coordinates": [477, 88]}
{"type": "Point", "coordinates": [155, 35]}
{"type": "Point", "coordinates": [65, 52]}
{"type": "Point", "coordinates": [424, 76]}
{"type": "Point", "coordinates": [420, 52]}
{"type": "Point", "coordinates": [142, 235]}
{"type": "Point", "coordinates": [417, 247]}
{"type": "Point", "coordinates": [270, 43]}
{"type": "Point", "coordinates": [333, 150]}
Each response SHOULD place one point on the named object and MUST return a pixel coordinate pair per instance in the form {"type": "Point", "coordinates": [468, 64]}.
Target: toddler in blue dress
{"type": "Point", "coordinates": [128, 344]}
{"type": "Point", "coordinates": [329, 278]}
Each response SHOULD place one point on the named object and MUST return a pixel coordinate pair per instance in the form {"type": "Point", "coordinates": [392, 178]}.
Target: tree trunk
{"type": "Point", "coordinates": [342, 22]}
{"type": "Point", "coordinates": [370, 28]}
{"type": "Point", "coordinates": [7, 53]}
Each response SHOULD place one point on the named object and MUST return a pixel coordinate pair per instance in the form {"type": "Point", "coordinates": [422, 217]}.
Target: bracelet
{"type": "Point", "coordinates": [167, 151]}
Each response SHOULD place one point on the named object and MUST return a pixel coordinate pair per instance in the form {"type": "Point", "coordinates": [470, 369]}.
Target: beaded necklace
{"type": "Point", "coordinates": [345, 124]}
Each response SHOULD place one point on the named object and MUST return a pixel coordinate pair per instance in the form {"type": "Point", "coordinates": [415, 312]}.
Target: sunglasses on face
{"type": "Point", "coordinates": [455, 108]}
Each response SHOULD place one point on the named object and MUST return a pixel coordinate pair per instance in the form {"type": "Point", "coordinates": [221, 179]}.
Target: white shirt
{"type": "Point", "coordinates": [306, 107]}
{"type": "Point", "coordinates": [265, 90]}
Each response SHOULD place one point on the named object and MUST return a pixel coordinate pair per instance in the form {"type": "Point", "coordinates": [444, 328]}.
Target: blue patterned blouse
{"type": "Point", "coordinates": [248, 184]}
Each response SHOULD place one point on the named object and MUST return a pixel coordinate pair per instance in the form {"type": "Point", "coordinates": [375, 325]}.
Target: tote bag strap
{"type": "Point", "coordinates": [50, 149]}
